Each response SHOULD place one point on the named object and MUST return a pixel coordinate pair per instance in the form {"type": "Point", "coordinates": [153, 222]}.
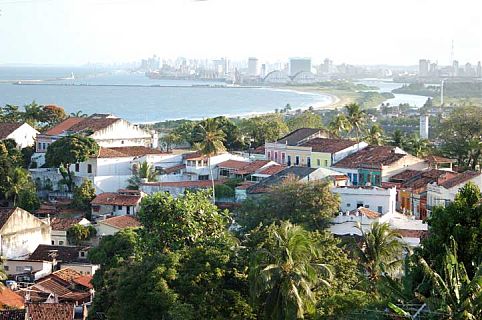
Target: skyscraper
{"type": "Point", "coordinates": [424, 126]}
{"type": "Point", "coordinates": [253, 67]}
{"type": "Point", "coordinates": [299, 64]}
{"type": "Point", "coordinates": [423, 67]}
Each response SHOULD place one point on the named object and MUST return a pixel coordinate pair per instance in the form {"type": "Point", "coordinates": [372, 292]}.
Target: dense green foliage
{"type": "Point", "coordinates": [143, 171]}
{"type": "Point", "coordinates": [70, 150]}
{"type": "Point", "coordinates": [39, 117]}
{"type": "Point", "coordinates": [83, 195]}
{"type": "Point", "coordinates": [77, 234]}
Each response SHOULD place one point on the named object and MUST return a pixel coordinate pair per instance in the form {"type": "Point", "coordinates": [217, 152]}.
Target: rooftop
{"type": "Point", "coordinates": [438, 160]}
{"type": "Point", "coordinates": [93, 123]}
{"type": "Point", "coordinates": [5, 214]}
{"type": "Point", "coordinates": [183, 184]}
{"type": "Point", "coordinates": [365, 212]}
{"type": "Point", "coordinates": [132, 151]}
{"type": "Point", "coordinates": [274, 169]}
{"type": "Point", "coordinates": [50, 311]}
{"type": "Point", "coordinates": [266, 184]}
{"type": "Point", "coordinates": [459, 179]}
{"type": "Point", "coordinates": [122, 222]}
{"type": "Point", "coordinates": [233, 164]}
{"type": "Point", "coordinates": [63, 126]}
{"type": "Point", "coordinates": [116, 199]}
{"type": "Point", "coordinates": [63, 253]}
{"type": "Point", "coordinates": [372, 156]}
{"type": "Point", "coordinates": [405, 175]}
{"type": "Point", "coordinates": [295, 137]}
{"type": "Point", "coordinates": [63, 224]}
{"type": "Point", "coordinates": [328, 145]}
{"type": "Point", "coordinates": [252, 167]}
{"type": "Point", "coordinates": [6, 128]}
{"type": "Point", "coordinates": [9, 299]}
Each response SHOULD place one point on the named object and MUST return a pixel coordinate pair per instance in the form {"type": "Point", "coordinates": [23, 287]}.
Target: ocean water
{"type": "Point", "coordinates": [137, 98]}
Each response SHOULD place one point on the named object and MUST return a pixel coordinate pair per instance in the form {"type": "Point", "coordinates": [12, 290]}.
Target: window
{"type": "Point", "coordinates": [289, 161]}
{"type": "Point", "coordinates": [119, 207]}
{"type": "Point", "coordinates": [89, 168]}
{"type": "Point", "coordinates": [39, 146]}
{"type": "Point", "coordinates": [128, 210]}
{"type": "Point", "coordinates": [276, 156]}
{"type": "Point", "coordinates": [53, 242]}
{"type": "Point", "coordinates": [380, 209]}
{"type": "Point", "coordinates": [224, 172]}
{"type": "Point", "coordinates": [283, 156]}
{"type": "Point", "coordinates": [359, 204]}
{"type": "Point", "coordinates": [326, 163]}
{"type": "Point", "coordinates": [203, 177]}
{"type": "Point", "coordinates": [318, 162]}
{"type": "Point", "coordinates": [61, 243]}
{"type": "Point", "coordinates": [269, 155]}
{"type": "Point", "coordinates": [355, 179]}
{"type": "Point", "coordinates": [377, 180]}
{"type": "Point", "coordinates": [367, 206]}
{"type": "Point", "coordinates": [308, 162]}
{"type": "Point", "coordinates": [18, 269]}
{"type": "Point", "coordinates": [348, 205]}
{"type": "Point", "coordinates": [5, 268]}
{"type": "Point", "coordinates": [82, 253]}
{"type": "Point", "coordinates": [77, 167]}
{"type": "Point", "coordinates": [297, 160]}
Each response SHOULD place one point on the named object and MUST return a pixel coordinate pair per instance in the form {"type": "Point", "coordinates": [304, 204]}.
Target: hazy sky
{"type": "Point", "coordinates": [352, 31]}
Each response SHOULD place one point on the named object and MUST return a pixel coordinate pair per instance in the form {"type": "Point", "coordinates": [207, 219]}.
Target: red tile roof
{"type": "Point", "coordinates": [274, 169]}
{"type": "Point", "coordinates": [405, 175]}
{"type": "Point", "coordinates": [233, 164]}
{"type": "Point", "coordinates": [295, 137]}
{"type": "Point", "coordinates": [84, 280]}
{"type": "Point", "coordinates": [184, 184]}
{"type": "Point", "coordinates": [328, 145]}
{"type": "Point", "coordinates": [64, 253]}
{"type": "Point", "coordinates": [52, 285]}
{"type": "Point", "coordinates": [6, 128]}
{"type": "Point", "coordinates": [66, 274]}
{"type": "Point", "coordinates": [63, 126]}
{"type": "Point", "coordinates": [252, 167]}
{"type": "Point", "coordinates": [132, 151]}
{"type": "Point", "coordinates": [122, 222]}
{"type": "Point", "coordinates": [50, 311]}
{"type": "Point", "coordinates": [459, 179]}
{"type": "Point", "coordinates": [93, 123]}
{"type": "Point", "coordinates": [193, 156]}
{"type": "Point", "coordinates": [10, 300]}
{"type": "Point", "coordinates": [5, 214]}
{"type": "Point", "coordinates": [245, 185]}
{"type": "Point", "coordinates": [366, 213]}
{"type": "Point", "coordinates": [63, 224]}
{"type": "Point", "coordinates": [370, 156]}
{"type": "Point", "coordinates": [438, 159]}
{"type": "Point", "coordinates": [407, 233]}
{"type": "Point", "coordinates": [116, 199]}
{"type": "Point", "coordinates": [259, 150]}
{"type": "Point", "coordinates": [174, 168]}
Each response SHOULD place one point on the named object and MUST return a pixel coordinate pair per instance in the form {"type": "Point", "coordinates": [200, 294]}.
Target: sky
{"type": "Point", "coordinates": [347, 31]}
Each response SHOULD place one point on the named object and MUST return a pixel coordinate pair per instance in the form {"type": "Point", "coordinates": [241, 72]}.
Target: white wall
{"type": "Point", "coordinates": [373, 197]}
{"type": "Point", "coordinates": [122, 134]}
{"type": "Point", "coordinates": [340, 155]}
{"type": "Point", "coordinates": [438, 196]}
{"type": "Point", "coordinates": [42, 268]}
{"type": "Point", "coordinates": [82, 268]}
{"type": "Point", "coordinates": [24, 136]}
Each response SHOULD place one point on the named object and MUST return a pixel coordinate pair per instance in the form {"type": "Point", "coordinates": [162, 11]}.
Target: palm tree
{"type": "Point", "coordinates": [211, 139]}
{"type": "Point", "coordinates": [144, 171]}
{"type": "Point", "coordinates": [418, 147]}
{"type": "Point", "coordinates": [453, 292]}
{"type": "Point", "coordinates": [398, 139]}
{"type": "Point", "coordinates": [17, 181]}
{"type": "Point", "coordinates": [379, 249]}
{"type": "Point", "coordinates": [374, 135]}
{"type": "Point", "coordinates": [284, 276]}
{"type": "Point", "coordinates": [339, 125]}
{"type": "Point", "coordinates": [78, 114]}
{"type": "Point", "coordinates": [356, 117]}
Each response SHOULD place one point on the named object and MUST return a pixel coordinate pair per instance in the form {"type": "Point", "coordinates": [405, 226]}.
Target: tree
{"type": "Point", "coordinates": [211, 143]}
{"type": "Point", "coordinates": [83, 195]}
{"type": "Point", "coordinates": [53, 115]}
{"type": "Point", "coordinates": [173, 223]}
{"type": "Point", "coordinates": [379, 250]}
{"type": "Point", "coordinates": [263, 129]}
{"type": "Point", "coordinates": [69, 150]}
{"type": "Point", "coordinates": [340, 125]}
{"type": "Point", "coordinates": [28, 200]}
{"type": "Point", "coordinates": [356, 117]}
{"type": "Point", "coordinates": [144, 171]}
{"type": "Point", "coordinates": [18, 180]}
{"type": "Point", "coordinates": [416, 146]}
{"type": "Point", "coordinates": [78, 233]}
{"type": "Point", "coordinates": [462, 220]}
{"type": "Point", "coordinates": [462, 136]}
{"type": "Point", "coordinates": [374, 135]}
{"type": "Point", "coordinates": [398, 139]}
{"type": "Point", "coordinates": [311, 205]}
{"type": "Point", "coordinates": [285, 277]}
{"type": "Point", "coordinates": [307, 119]}
{"type": "Point", "coordinates": [454, 293]}
{"type": "Point", "coordinates": [78, 114]}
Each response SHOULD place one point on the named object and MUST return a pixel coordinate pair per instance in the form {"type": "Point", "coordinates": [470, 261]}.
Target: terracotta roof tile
{"type": "Point", "coordinates": [370, 156]}
{"type": "Point", "coordinates": [328, 145]}
{"type": "Point", "coordinates": [259, 150]}
{"type": "Point", "coordinates": [50, 311]}
{"type": "Point", "coordinates": [84, 280]}
{"type": "Point", "coordinates": [184, 184]}
{"type": "Point", "coordinates": [63, 224]}
{"type": "Point", "coordinates": [459, 179]}
{"type": "Point", "coordinates": [173, 168]}
{"type": "Point", "coordinates": [64, 253]}
{"type": "Point", "coordinates": [366, 213]}
{"type": "Point", "coordinates": [5, 214]}
{"type": "Point", "coordinates": [233, 164]}
{"type": "Point", "coordinates": [6, 128]}
{"type": "Point", "coordinates": [245, 185]}
{"type": "Point", "coordinates": [132, 151]}
{"type": "Point", "coordinates": [66, 274]}
{"type": "Point", "coordinates": [274, 169]}
{"type": "Point", "coordinates": [405, 175]}
{"type": "Point", "coordinates": [122, 222]}
{"type": "Point", "coordinates": [116, 199]}
{"type": "Point", "coordinates": [295, 137]}
{"type": "Point", "coordinates": [63, 126]}
{"type": "Point", "coordinates": [252, 167]}
{"type": "Point", "coordinates": [52, 285]}
{"type": "Point", "coordinates": [9, 299]}
{"type": "Point", "coordinates": [438, 159]}
{"type": "Point", "coordinates": [408, 233]}
{"type": "Point", "coordinates": [93, 123]}
{"type": "Point", "coordinates": [12, 314]}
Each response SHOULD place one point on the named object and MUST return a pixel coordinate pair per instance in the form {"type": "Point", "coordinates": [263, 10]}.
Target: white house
{"type": "Point", "coordinates": [380, 200]}
{"type": "Point", "coordinates": [444, 193]}
{"type": "Point", "coordinates": [60, 227]}
{"type": "Point", "coordinates": [197, 165]}
{"type": "Point", "coordinates": [111, 226]}
{"type": "Point", "coordinates": [38, 268]}
{"type": "Point", "coordinates": [22, 133]}
{"type": "Point", "coordinates": [107, 130]}
{"type": "Point", "coordinates": [123, 202]}
{"type": "Point", "coordinates": [21, 233]}
{"type": "Point", "coordinates": [176, 188]}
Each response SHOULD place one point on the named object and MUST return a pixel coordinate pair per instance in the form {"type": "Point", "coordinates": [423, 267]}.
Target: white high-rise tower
{"type": "Point", "coordinates": [424, 126]}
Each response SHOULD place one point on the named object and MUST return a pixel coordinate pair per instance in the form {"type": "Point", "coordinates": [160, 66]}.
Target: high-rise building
{"type": "Point", "coordinates": [424, 126]}
{"type": "Point", "coordinates": [455, 68]}
{"type": "Point", "coordinates": [253, 67]}
{"type": "Point", "coordinates": [299, 64]}
{"type": "Point", "coordinates": [263, 70]}
{"type": "Point", "coordinates": [423, 67]}
{"type": "Point", "coordinates": [479, 70]}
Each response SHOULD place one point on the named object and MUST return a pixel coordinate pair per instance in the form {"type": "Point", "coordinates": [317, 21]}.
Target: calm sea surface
{"type": "Point", "coordinates": [136, 98]}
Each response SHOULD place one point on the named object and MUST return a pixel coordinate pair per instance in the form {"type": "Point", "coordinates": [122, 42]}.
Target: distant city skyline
{"type": "Point", "coordinates": [75, 32]}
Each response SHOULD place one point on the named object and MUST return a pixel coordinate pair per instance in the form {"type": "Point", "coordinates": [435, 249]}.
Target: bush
{"type": "Point", "coordinates": [223, 191]}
